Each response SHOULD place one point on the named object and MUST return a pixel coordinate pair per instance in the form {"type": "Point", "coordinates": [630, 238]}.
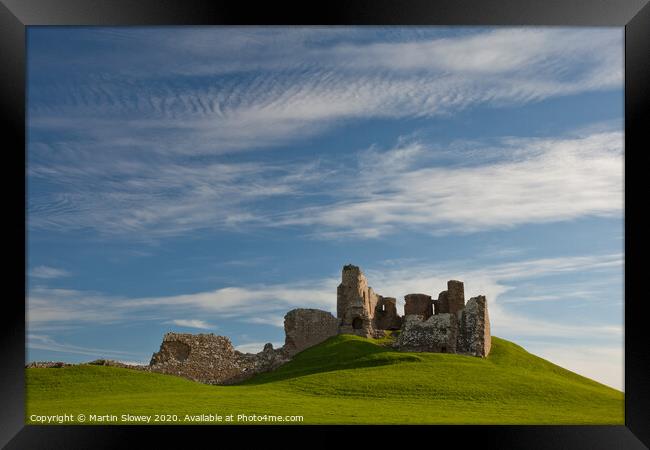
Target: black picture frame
{"type": "Point", "coordinates": [634, 15]}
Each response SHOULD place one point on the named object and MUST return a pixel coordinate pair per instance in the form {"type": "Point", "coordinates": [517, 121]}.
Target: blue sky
{"type": "Point", "coordinates": [209, 179]}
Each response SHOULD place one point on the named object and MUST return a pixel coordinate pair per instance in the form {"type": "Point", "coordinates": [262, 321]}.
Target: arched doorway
{"type": "Point", "coordinates": [357, 323]}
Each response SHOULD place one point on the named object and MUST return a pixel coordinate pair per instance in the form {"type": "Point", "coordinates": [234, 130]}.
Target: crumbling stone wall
{"type": "Point", "coordinates": [211, 359]}
{"type": "Point", "coordinates": [466, 331]}
{"type": "Point", "coordinates": [475, 337]}
{"type": "Point", "coordinates": [418, 304]}
{"type": "Point", "coordinates": [47, 365]}
{"type": "Point", "coordinates": [386, 317]}
{"type": "Point", "coordinates": [305, 328]}
{"type": "Point", "coordinates": [438, 333]}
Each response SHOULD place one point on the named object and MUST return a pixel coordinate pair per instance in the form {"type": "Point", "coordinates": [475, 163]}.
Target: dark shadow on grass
{"type": "Point", "coordinates": [337, 353]}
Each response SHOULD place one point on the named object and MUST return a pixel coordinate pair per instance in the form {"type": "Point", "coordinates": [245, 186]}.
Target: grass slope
{"type": "Point", "coordinates": [348, 379]}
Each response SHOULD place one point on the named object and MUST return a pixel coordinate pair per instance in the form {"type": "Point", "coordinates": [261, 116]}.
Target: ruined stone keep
{"type": "Point", "coordinates": [444, 325]}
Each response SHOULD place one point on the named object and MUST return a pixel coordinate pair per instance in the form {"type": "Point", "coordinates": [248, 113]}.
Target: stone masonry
{"type": "Point", "coordinates": [438, 333]}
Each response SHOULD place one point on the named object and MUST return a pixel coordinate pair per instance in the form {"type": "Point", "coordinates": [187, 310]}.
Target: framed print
{"type": "Point", "coordinates": [351, 218]}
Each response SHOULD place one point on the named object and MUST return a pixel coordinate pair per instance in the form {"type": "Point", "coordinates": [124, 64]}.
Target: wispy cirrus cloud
{"type": "Point", "coordinates": [290, 64]}
{"type": "Point", "coordinates": [133, 144]}
{"type": "Point", "coordinates": [196, 106]}
{"type": "Point", "coordinates": [276, 320]}
{"type": "Point", "coordinates": [315, 88]}
{"type": "Point", "coordinates": [157, 198]}
{"type": "Point", "coordinates": [256, 347]}
{"type": "Point", "coordinates": [459, 188]}
{"type": "Point", "coordinates": [45, 342]}
{"type": "Point", "coordinates": [540, 180]}
{"type": "Point", "coordinates": [47, 272]}
{"type": "Point", "coordinates": [50, 306]}
{"type": "Point", "coordinates": [192, 323]}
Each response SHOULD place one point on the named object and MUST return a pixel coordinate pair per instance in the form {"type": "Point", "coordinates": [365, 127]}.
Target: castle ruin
{"type": "Point", "coordinates": [444, 325]}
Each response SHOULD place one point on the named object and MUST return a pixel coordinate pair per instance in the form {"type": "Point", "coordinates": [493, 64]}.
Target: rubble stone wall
{"type": "Point", "coordinates": [438, 334]}
{"type": "Point", "coordinates": [475, 328]}
{"type": "Point", "coordinates": [210, 359]}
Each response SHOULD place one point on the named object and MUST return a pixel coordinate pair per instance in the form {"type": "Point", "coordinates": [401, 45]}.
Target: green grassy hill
{"type": "Point", "coordinates": [347, 379]}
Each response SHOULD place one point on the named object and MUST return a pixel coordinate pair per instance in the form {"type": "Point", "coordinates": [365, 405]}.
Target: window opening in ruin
{"type": "Point", "coordinates": [178, 350]}
{"type": "Point", "coordinates": [383, 308]}
{"type": "Point", "coordinates": [443, 349]}
{"type": "Point", "coordinates": [356, 323]}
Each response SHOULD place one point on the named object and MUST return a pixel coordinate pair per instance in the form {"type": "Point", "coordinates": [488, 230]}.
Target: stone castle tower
{"type": "Point", "coordinates": [355, 302]}
{"type": "Point", "coordinates": [359, 309]}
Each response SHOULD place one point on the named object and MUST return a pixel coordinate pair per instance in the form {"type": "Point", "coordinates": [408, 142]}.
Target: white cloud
{"type": "Point", "coordinates": [255, 347]}
{"type": "Point", "coordinates": [287, 94]}
{"type": "Point", "coordinates": [273, 320]}
{"type": "Point", "coordinates": [47, 272]}
{"type": "Point", "coordinates": [493, 281]}
{"type": "Point", "coordinates": [150, 199]}
{"type": "Point", "coordinates": [213, 51]}
{"type": "Point", "coordinates": [134, 363]}
{"type": "Point", "coordinates": [192, 323]}
{"type": "Point", "coordinates": [44, 342]}
{"type": "Point", "coordinates": [265, 303]}
{"type": "Point", "coordinates": [134, 156]}
{"type": "Point", "coordinates": [511, 325]}
{"type": "Point", "coordinates": [47, 306]}
{"type": "Point", "coordinates": [604, 363]}
{"type": "Point", "coordinates": [467, 187]}
{"type": "Point", "coordinates": [542, 180]}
